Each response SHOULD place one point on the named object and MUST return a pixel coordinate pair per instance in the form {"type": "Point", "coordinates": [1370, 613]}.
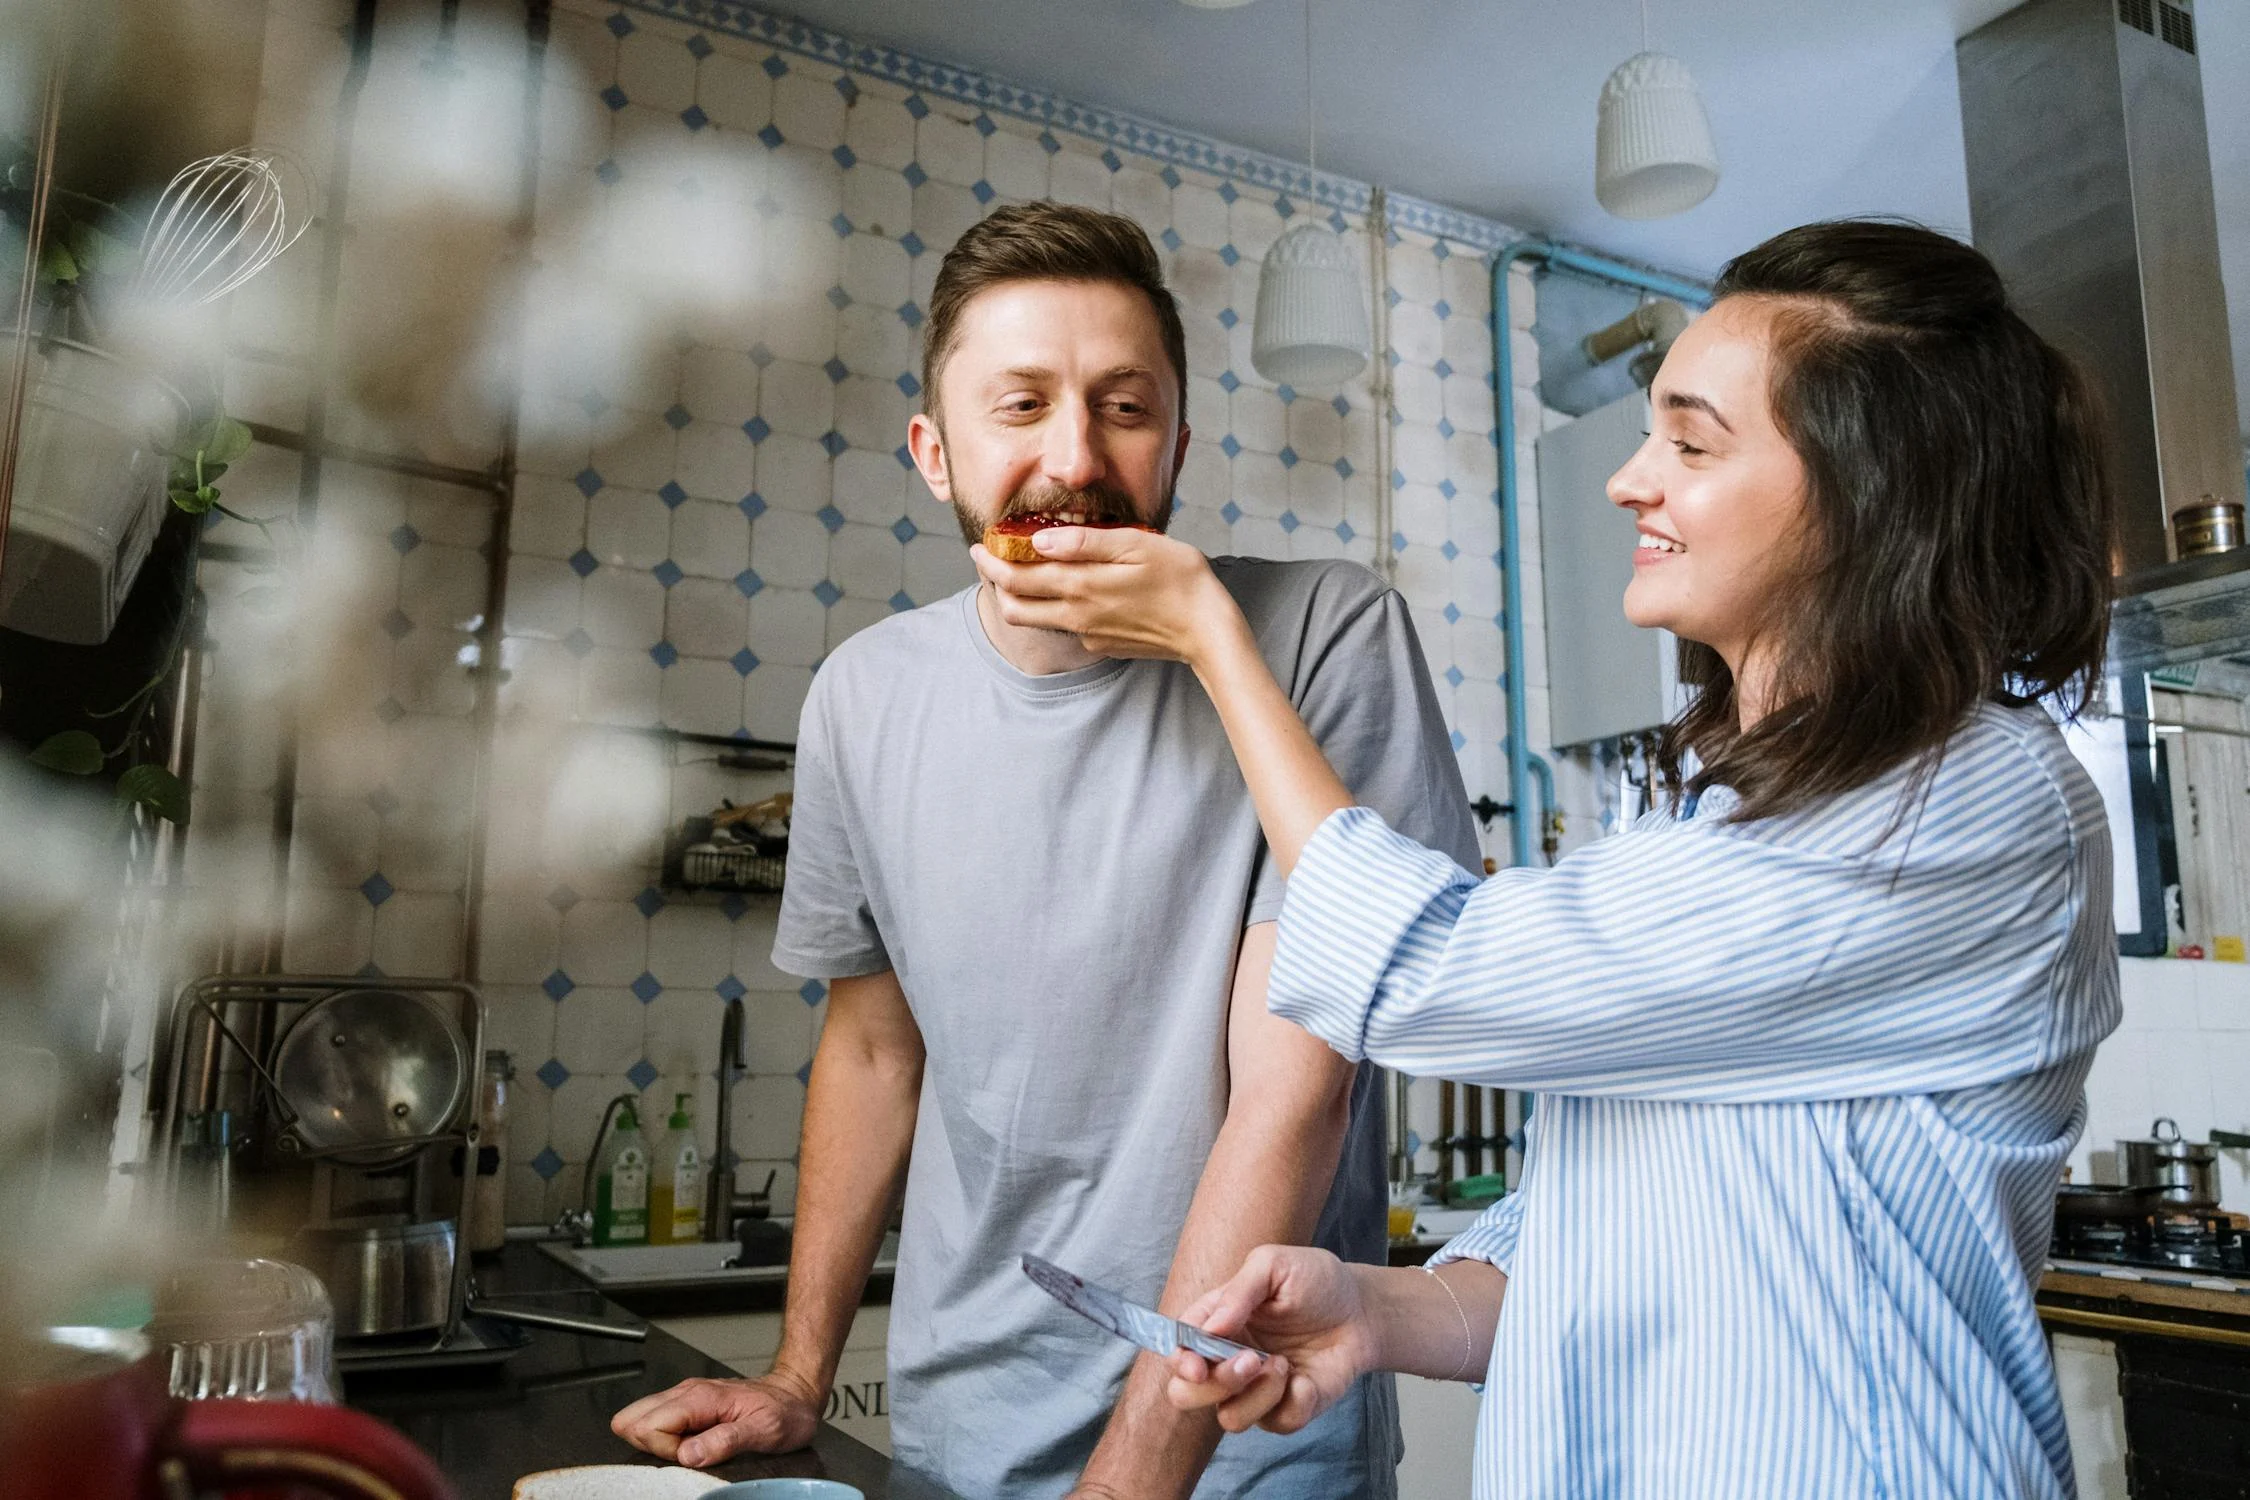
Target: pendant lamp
{"type": "Point", "coordinates": [1653, 153]}
{"type": "Point", "coordinates": [1311, 324]}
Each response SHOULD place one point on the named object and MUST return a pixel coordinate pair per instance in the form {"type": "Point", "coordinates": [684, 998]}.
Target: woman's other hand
{"type": "Point", "coordinates": [1305, 1309]}
{"type": "Point", "coordinates": [1122, 592]}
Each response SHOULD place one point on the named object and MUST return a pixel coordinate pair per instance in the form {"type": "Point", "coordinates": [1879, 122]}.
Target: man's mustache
{"type": "Point", "coordinates": [1101, 503]}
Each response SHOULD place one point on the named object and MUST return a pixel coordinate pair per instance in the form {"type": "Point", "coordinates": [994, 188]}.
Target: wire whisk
{"type": "Point", "coordinates": [218, 222]}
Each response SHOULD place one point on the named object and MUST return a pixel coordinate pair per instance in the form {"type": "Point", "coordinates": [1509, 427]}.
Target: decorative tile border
{"type": "Point", "coordinates": [1116, 127]}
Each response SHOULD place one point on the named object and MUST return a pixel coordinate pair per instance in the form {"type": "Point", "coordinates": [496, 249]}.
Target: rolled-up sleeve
{"type": "Point", "coordinates": [1700, 963]}
{"type": "Point", "coordinates": [1491, 1239]}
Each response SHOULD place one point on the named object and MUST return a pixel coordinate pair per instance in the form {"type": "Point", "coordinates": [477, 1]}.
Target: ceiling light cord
{"type": "Point", "coordinates": [1312, 133]}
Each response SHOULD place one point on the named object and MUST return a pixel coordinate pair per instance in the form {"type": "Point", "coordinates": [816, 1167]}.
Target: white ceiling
{"type": "Point", "coordinates": [1820, 107]}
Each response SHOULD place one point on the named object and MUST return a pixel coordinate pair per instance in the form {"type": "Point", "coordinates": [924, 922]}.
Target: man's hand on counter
{"type": "Point", "coordinates": [699, 1423]}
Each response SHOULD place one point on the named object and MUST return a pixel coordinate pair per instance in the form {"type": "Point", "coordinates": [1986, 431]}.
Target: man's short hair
{"type": "Point", "coordinates": [1046, 242]}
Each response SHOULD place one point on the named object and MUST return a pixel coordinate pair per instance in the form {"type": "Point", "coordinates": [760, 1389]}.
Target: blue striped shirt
{"type": "Point", "coordinates": [1806, 1087]}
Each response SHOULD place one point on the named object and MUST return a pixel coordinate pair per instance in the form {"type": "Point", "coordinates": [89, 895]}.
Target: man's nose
{"type": "Point", "coordinates": [1073, 457]}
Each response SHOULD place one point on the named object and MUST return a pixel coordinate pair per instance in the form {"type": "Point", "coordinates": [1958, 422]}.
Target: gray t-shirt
{"type": "Point", "coordinates": [1060, 870]}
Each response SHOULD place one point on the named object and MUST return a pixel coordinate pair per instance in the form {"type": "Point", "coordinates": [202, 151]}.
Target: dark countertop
{"type": "Point", "coordinates": [549, 1405]}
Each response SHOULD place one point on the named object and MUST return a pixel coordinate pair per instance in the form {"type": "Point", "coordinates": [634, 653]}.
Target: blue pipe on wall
{"type": "Point", "coordinates": [1523, 766]}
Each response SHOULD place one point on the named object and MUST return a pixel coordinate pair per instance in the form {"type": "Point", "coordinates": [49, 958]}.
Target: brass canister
{"type": "Point", "coordinates": [2202, 529]}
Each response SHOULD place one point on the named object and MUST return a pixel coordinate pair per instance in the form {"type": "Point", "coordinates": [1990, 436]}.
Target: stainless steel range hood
{"type": "Point", "coordinates": [2090, 187]}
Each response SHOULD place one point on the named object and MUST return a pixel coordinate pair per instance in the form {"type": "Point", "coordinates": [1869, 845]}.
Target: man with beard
{"type": "Point", "coordinates": [1034, 882]}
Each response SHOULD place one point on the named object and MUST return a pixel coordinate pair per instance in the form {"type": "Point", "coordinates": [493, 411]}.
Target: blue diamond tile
{"type": "Point", "coordinates": [833, 442]}
{"type": "Point", "coordinates": [848, 89]}
{"type": "Point", "coordinates": [390, 710]}
{"type": "Point", "coordinates": [744, 661]}
{"type": "Point", "coordinates": [842, 226]}
{"type": "Point", "coordinates": [901, 602]}
{"type": "Point", "coordinates": [1446, 488]}
{"type": "Point", "coordinates": [1230, 512]}
{"type": "Point", "coordinates": [546, 1163]}
{"type": "Point", "coordinates": [1452, 612]}
{"type": "Point", "coordinates": [1172, 240]}
{"type": "Point", "coordinates": [557, 984]}
{"type": "Point", "coordinates": [1444, 309]}
{"type": "Point", "coordinates": [1289, 521]}
{"type": "Point", "coordinates": [984, 125]}
{"type": "Point", "coordinates": [760, 355]}
{"type": "Point", "coordinates": [645, 988]}
{"type": "Point", "coordinates": [1445, 428]}
{"type": "Point", "coordinates": [668, 572]}
{"type": "Point", "coordinates": [677, 417]}
{"type": "Point", "coordinates": [917, 107]}
{"type": "Point", "coordinates": [752, 505]}
{"type": "Point", "coordinates": [649, 902]}
{"type": "Point", "coordinates": [1443, 369]}
{"type": "Point", "coordinates": [405, 539]}
{"type": "Point", "coordinates": [983, 191]}
{"type": "Point", "coordinates": [1229, 254]}
{"type": "Point", "coordinates": [838, 298]}
{"type": "Point", "coordinates": [1344, 532]}
{"type": "Point", "coordinates": [1343, 407]}
{"type": "Point", "coordinates": [733, 907]}
{"type": "Point", "coordinates": [1460, 740]}
{"type": "Point", "coordinates": [757, 429]}
{"type": "Point", "coordinates": [771, 137]}
{"type": "Point", "coordinates": [397, 626]}
{"type": "Point", "coordinates": [1112, 160]}
{"type": "Point", "coordinates": [672, 495]}
{"type": "Point", "coordinates": [376, 889]}
{"type": "Point", "coordinates": [1228, 317]}
{"type": "Point", "coordinates": [812, 992]}
{"type": "Point", "coordinates": [620, 25]}
{"type": "Point", "coordinates": [908, 386]}
{"type": "Point", "coordinates": [641, 1074]}
{"type": "Point", "coordinates": [588, 482]}
{"type": "Point", "coordinates": [1048, 143]}
{"type": "Point", "coordinates": [731, 988]}
{"type": "Point", "coordinates": [1287, 393]}
{"type": "Point", "coordinates": [1171, 178]}
{"type": "Point", "coordinates": [1450, 551]}
{"type": "Point", "coordinates": [579, 644]}
{"type": "Point", "coordinates": [1391, 358]}
{"type": "Point", "coordinates": [905, 458]}
{"type": "Point", "coordinates": [699, 46]}
{"type": "Point", "coordinates": [1229, 381]}
{"type": "Point", "coordinates": [1398, 479]}
{"type": "Point", "coordinates": [830, 517]}
{"type": "Point", "coordinates": [369, 970]}
{"type": "Point", "coordinates": [1453, 675]}
{"type": "Point", "coordinates": [827, 593]}
{"type": "Point", "coordinates": [1440, 251]}
{"type": "Point", "coordinates": [1398, 418]}
{"type": "Point", "coordinates": [804, 1072]}
{"type": "Point", "coordinates": [609, 172]}
{"type": "Point", "coordinates": [583, 562]}
{"type": "Point", "coordinates": [1229, 446]}
{"type": "Point", "coordinates": [663, 653]}
{"type": "Point", "coordinates": [774, 66]}
{"type": "Point", "coordinates": [1283, 207]}
{"type": "Point", "coordinates": [748, 582]}
{"type": "Point", "coordinates": [694, 118]}
{"type": "Point", "coordinates": [843, 157]}
{"type": "Point", "coordinates": [1226, 191]}
{"type": "Point", "coordinates": [914, 175]}
{"type": "Point", "coordinates": [1392, 297]}
{"type": "Point", "coordinates": [1398, 541]}
{"type": "Point", "coordinates": [1288, 458]}
{"type": "Point", "coordinates": [553, 1074]}
{"type": "Point", "coordinates": [562, 898]}
{"type": "Point", "coordinates": [614, 97]}
{"type": "Point", "coordinates": [905, 530]}
{"type": "Point", "coordinates": [910, 314]}
{"type": "Point", "coordinates": [911, 243]}
{"type": "Point", "coordinates": [836, 370]}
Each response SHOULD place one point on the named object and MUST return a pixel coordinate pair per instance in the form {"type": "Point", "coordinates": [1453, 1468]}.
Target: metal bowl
{"type": "Point", "coordinates": [367, 1070]}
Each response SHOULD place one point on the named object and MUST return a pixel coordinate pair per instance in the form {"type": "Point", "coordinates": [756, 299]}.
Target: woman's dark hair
{"type": "Point", "coordinates": [1958, 518]}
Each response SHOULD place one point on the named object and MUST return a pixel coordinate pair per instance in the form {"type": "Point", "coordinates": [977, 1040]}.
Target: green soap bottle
{"type": "Point", "coordinates": [621, 1191]}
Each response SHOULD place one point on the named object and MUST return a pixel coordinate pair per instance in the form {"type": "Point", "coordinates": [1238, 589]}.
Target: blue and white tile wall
{"type": "Point", "coordinates": [695, 531]}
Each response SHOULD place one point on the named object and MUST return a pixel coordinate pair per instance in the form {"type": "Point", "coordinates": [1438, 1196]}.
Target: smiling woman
{"type": "Point", "coordinates": [1826, 1017]}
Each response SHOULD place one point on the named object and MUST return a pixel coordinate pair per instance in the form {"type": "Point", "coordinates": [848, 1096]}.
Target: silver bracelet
{"type": "Point", "coordinates": [1468, 1339]}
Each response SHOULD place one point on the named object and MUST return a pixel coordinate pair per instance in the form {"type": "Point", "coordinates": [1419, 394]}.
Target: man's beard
{"type": "Point", "coordinates": [1104, 504]}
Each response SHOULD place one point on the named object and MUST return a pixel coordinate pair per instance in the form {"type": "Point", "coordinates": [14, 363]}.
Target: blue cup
{"type": "Point", "coordinates": [785, 1489]}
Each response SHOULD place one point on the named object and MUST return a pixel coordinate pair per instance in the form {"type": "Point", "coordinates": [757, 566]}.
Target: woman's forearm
{"type": "Point", "coordinates": [1435, 1324]}
{"type": "Point", "coordinates": [1291, 783]}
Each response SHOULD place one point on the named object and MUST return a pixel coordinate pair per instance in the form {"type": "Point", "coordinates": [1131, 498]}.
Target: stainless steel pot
{"type": "Point", "coordinates": [2184, 1173]}
{"type": "Point", "coordinates": [391, 1279]}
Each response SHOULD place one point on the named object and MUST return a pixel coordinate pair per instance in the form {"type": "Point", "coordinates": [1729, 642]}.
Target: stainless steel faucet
{"type": "Point", "coordinates": [718, 1195]}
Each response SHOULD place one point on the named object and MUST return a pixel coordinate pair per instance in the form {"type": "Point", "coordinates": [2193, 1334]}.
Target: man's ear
{"type": "Point", "coordinates": [925, 443]}
{"type": "Point", "coordinates": [1179, 452]}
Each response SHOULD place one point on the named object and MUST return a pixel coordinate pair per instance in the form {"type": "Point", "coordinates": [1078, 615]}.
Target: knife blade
{"type": "Point", "coordinates": [1130, 1321]}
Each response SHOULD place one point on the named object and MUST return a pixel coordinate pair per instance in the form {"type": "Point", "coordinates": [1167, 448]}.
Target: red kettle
{"type": "Point", "coordinates": [87, 1414]}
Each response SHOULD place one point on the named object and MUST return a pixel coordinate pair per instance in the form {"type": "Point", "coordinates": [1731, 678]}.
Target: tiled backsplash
{"type": "Point", "coordinates": [697, 525]}
{"type": "Point", "coordinates": [2183, 1050]}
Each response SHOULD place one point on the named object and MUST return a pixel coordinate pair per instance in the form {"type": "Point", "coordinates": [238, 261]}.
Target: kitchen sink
{"type": "Point", "coordinates": [644, 1268]}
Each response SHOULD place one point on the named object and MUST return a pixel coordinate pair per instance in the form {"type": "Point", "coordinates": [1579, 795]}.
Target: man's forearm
{"type": "Point", "coordinates": [1264, 1183]}
{"type": "Point", "coordinates": [858, 1130]}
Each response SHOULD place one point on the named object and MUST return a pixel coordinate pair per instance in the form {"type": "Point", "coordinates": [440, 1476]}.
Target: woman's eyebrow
{"type": "Point", "coordinates": [1682, 401]}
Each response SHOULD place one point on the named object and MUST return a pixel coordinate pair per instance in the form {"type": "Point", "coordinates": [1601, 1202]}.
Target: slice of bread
{"type": "Point", "coordinates": [616, 1482]}
{"type": "Point", "coordinates": [1010, 546]}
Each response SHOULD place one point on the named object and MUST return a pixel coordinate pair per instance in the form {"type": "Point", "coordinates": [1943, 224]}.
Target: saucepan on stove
{"type": "Point", "coordinates": [2184, 1173]}
{"type": "Point", "coordinates": [2103, 1201]}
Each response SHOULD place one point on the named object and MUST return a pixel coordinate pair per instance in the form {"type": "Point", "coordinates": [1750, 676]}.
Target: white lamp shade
{"type": "Point", "coordinates": [1311, 328]}
{"type": "Point", "coordinates": [1653, 153]}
